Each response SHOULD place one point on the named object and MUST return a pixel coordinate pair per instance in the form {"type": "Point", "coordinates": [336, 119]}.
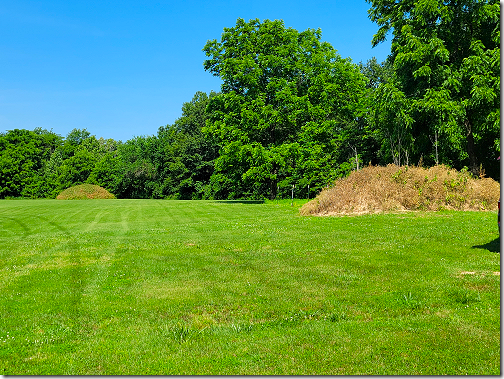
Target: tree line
{"type": "Point", "coordinates": [292, 113]}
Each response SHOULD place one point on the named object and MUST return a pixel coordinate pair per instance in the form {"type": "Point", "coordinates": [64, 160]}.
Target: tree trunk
{"type": "Point", "coordinates": [435, 143]}
{"type": "Point", "coordinates": [274, 184]}
{"type": "Point", "coordinates": [473, 161]}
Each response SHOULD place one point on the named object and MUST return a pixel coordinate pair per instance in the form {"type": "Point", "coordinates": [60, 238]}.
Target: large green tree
{"type": "Point", "coordinates": [23, 154]}
{"type": "Point", "coordinates": [175, 163]}
{"type": "Point", "coordinates": [187, 154]}
{"type": "Point", "coordinates": [446, 88]}
{"type": "Point", "coordinates": [136, 166]}
{"type": "Point", "coordinates": [80, 158]}
{"type": "Point", "coordinates": [287, 98]}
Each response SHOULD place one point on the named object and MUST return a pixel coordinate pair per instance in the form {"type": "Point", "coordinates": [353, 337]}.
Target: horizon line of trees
{"type": "Point", "coordinates": [292, 111]}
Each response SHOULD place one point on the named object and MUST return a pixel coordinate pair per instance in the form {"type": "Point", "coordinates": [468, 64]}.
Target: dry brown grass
{"type": "Point", "coordinates": [376, 189]}
{"type": "Point", "coordinates": [84, 192]}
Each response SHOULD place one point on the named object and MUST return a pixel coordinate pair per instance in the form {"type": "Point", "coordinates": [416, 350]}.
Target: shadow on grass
{"type": "Point", "coordinates": [493, 246]}
{"type": "Point", "coordinates": [241, 201]}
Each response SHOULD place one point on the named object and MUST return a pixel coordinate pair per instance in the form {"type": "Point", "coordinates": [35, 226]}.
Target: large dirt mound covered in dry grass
{"type": "Point", "coordinates": [392, 188]}
{"type": "Point", "coordinates": [85, 192]}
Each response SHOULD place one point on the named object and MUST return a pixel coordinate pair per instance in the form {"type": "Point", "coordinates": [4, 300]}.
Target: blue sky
{"type": "Point", "coordinates": [122, 69]}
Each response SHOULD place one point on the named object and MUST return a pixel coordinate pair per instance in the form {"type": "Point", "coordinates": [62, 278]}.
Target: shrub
{"type": "Point", "coordinates": [392, 188]}
{"type": "Point", "coordinates": [84, 192]}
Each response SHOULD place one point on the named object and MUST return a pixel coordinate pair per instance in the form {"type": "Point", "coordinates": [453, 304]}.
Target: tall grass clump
{"type": "Point", "coordinates": [84, 192]}
{"type": "Point", "coordinates": [377, 189]}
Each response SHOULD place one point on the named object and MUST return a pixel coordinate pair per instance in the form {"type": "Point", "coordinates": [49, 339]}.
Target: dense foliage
{"type": "Point", "coordinates": [293, 115]}
{"type": "Point", "coordinates": [287, 102]}
{"type": "Point", "coordinates": [443, 102]}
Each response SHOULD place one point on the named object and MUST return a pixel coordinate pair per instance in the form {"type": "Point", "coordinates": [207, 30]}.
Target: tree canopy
{"type": "Point", "coordinates": [293, 114]}
{"type": "Point", "coordinates": [446, 87]}
{"type": "Point", "coordinates": [287, 98]}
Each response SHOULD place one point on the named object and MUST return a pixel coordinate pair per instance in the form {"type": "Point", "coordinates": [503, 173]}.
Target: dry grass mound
{"type": "Point", "coordinates": [84, 192]}
{"type": "Point", "coordinates": [392, 188]}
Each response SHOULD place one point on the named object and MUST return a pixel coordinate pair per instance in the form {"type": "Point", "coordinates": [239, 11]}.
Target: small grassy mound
{"type": "Point", "coordinates": [84, 192]}
{"type": "Point", "coordinates": [377, 189]}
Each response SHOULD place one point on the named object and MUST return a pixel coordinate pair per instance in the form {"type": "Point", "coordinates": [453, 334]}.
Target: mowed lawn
{"type": "Point", "coordinates": [145, 287]}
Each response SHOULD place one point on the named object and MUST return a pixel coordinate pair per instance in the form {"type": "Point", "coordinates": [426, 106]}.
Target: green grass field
{"type": "Point", "coordinates": [139, 287]}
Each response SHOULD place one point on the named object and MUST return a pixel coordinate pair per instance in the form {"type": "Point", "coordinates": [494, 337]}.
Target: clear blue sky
{"type": "Point", "coordinates": [122, 69]}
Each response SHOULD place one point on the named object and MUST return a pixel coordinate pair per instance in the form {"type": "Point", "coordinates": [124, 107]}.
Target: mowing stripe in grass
{"type": "Point", "coordinates": [186, 287]}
